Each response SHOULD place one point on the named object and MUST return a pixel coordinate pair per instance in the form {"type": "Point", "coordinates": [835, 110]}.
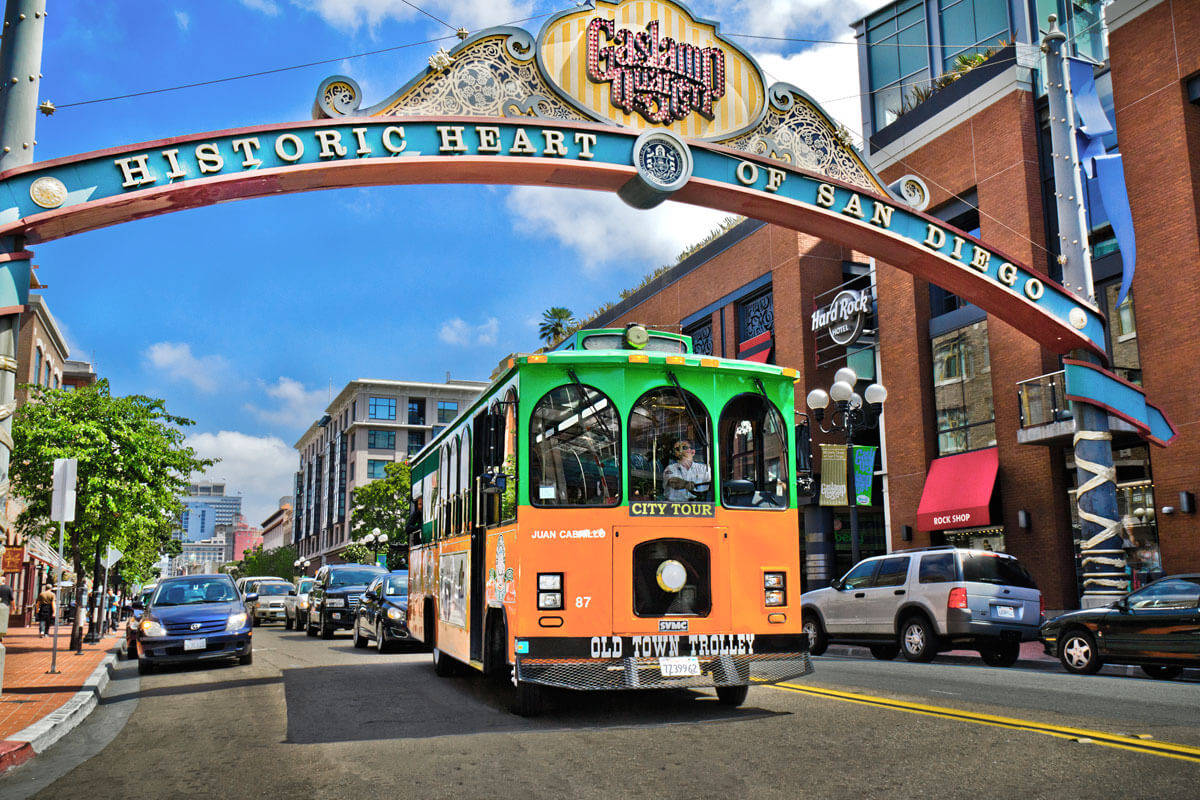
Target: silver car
{"type": "Point", "coordinates": [295, 606]}
{"type": "Point", "coordinates": [269, 607]}
{"type": "Point", "coordinates": [918, 602]}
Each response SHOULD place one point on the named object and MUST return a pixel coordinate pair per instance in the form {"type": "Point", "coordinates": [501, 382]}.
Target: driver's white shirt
{"type": "Point", "coordinates": [696, 473]}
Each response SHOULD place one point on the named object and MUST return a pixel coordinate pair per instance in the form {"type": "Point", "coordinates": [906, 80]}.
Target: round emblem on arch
{"type": "Point", "coordinates": [48, 192]}
{"type": "Point", "coordinates": [663, 160]}
{"type": "Point", "coordinates": [1078, 318]}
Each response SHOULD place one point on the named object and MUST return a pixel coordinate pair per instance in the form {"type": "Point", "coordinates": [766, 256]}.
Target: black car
{"type": "Point", "coordinates": [1157, 627]}
{"type": "Point", "coordinates": [336, 592]}
{"type": "Point", "coordinates": [383, 615]}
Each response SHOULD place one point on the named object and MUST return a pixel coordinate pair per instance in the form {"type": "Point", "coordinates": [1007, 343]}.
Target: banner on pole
{"type": "Point", "coordinates": [833, 475]}
{"type": "Point", "coordinates": [864, 473]}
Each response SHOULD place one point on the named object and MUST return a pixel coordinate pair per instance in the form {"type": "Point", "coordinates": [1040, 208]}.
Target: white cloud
{"type": "Point", "coordinates": [601, 228]}
{"type": "Point", "coordinates": [182, 20]}
{"type": "Point", "coordinates": [459, 331]}
{"type": "Point", "coordinates": [259, 468]}
{"type": "Point", "coordinates": [829, 73]}
{"type": "Point", "coordinates": [176, 361]}
{"type": "Point", "coordinates": [471, 14]}
{"type": "Point", "coordinates": [788, 17]}
{"type": "Point", "coordinates": [268, 7]}
{"type": "Point", "coordinates": [296, 407]}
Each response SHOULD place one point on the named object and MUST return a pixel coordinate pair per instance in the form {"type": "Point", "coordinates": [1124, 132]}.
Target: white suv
{"type": "Point", "coordinates": [918, 602]}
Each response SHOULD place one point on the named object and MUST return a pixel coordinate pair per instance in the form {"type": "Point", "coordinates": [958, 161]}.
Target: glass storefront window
{"type": "Point", "coordinates": [1122, 326]}
{"type": "Point", "coordinates": [962, 386]}
{"type": "Point", "coordinates": [669, 456]}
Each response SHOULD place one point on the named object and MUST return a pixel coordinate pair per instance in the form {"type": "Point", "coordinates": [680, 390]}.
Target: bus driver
{"type": "Point", "coordinates": [682, 475]}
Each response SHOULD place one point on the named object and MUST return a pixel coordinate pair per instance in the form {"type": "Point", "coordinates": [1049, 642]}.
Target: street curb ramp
{"type": "Point", "coordinates": [39, 736]}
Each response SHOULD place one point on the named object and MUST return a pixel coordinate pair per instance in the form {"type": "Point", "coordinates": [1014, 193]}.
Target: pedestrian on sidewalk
{"type": "Point", "coordinates": [45, 610]}
{"type": "Point", "coordinates": [6, 598]}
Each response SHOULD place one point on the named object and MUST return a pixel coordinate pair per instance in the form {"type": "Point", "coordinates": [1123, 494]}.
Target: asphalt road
{"type": "Point", "coordinates": [317, 719]}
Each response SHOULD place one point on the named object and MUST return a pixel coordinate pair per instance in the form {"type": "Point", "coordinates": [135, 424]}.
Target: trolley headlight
{"type": "Point", "coordinates": [550, 591]}
{"type": "Point", "coordinates": [775, 588]}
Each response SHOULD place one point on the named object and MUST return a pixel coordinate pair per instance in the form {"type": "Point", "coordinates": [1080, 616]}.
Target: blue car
{"type": "Point", "coordinates": [193, 618]}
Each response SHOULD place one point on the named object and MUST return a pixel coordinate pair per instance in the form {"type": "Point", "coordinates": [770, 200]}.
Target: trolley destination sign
{"type": "Point", "coordinates": [59, 198]}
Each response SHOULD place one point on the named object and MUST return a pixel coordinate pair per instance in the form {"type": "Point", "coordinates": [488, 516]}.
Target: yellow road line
{"type": "Point", "coordinates": [1151, 747]}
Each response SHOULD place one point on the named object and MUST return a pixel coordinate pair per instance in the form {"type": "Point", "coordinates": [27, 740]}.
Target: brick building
{"type": "Point", "coordinates": [961, 382]}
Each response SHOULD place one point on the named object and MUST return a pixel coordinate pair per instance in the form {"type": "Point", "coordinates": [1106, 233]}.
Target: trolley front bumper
{"type": "Point", "coordinates": [786, 657]}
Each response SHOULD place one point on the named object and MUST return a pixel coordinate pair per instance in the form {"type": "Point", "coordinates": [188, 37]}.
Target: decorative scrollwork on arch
{"type": "Point", "coordinates": [337, 96]}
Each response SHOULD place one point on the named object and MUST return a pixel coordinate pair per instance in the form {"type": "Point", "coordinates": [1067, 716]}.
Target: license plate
{"type": "Point", "coordinates": [195, 644]}
{"type": "Point", "coordinates": [1008, 612]}
{"type": "Point", "coordinates": [335, 603]}
{"type": "Point", "coordinates": [679, 666]}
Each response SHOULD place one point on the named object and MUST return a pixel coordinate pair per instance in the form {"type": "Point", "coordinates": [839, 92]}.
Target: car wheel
{"type": "Point", "coordinates": [885, 652]}
{"type": "Point", "coordinates": [144, 666]}
{"type": "Point", "coordinates": [917, 640]}
{"type": "Point", "coordinates": [1162, 672]}
{"type": "Point", "coordinates": [1077, 652]}
{"type": "Point", "coordinates": [1001, 655]}
{"type": "Point", "coordinates": [360, 641]}
{"type": "Point", "coordinates": [732, 695]}
{"type": "Point", "coordinates": [527, 699]}
{"type": "Point", "coordinates": [247, 659]}
{"type": "Point", "coordinates": [287, 622]}
{"type": "Point", "coordinates": [380, 642]}
{"type": "Point", "coordinates": [326, 628]}
{"type": "Point", "coordinates": [818, 642]}
{"type": "Point", "coordinates": [309, 630]}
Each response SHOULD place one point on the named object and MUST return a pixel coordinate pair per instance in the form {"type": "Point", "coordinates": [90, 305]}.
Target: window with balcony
{"type": "Point", "coordinates": [897, 58]}
{"type": "Point", "coordinates": [416, 440]}
{"type": "Point", "coordinates": [416, 411]}
{"type": "Point", "coordinates": [971, 26]}
{"type": "Point", "coordinates": [376, 469]}
{"type": "Point", "coordinates": [381, 408]}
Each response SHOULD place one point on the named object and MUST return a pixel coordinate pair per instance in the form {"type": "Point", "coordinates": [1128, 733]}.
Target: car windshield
{"type": "Point", "coordinates": [352, 577]}
{"type": "Point", "coordinates": [274, 589]}
{"type": "Point", "coordinates": [996, 569]}
{"type": "Point", "coordinates": [192, 592]}
{"type": "Point", "coordinates": [397, 586]}
{"type": "Point", "coordinates": [305, 586]}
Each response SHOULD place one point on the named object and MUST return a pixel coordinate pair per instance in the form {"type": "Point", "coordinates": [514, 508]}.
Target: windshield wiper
{"type": "Point", "coordinates": [701, 431]}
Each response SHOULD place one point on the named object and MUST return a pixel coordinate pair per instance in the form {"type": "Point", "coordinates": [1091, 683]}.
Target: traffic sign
{"type": "Point", "coordinates": [62, 501]}
{"type": "Point", "coordinates": [112, 556]}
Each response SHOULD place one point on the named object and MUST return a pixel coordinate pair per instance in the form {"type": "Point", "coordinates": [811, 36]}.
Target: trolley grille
{"type": "Point", "coordinates": [644, 673]}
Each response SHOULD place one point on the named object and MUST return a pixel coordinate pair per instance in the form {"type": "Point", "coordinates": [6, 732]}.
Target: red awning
{"type": "Point", "coordinates": [958, 491]}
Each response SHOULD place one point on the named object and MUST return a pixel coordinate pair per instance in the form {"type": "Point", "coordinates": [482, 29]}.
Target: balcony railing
{"type": "Point", "coordinates": [1043, 400]}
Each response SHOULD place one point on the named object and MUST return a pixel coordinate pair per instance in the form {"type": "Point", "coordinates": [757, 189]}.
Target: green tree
{"type": "Point", "coordinates": [555, 321]}
{"type": "Point", "coordinates": [279, 561]}
{"type": "Point", "coordinates": [382, 504]}
{"type": "Point", "coordinates": [133, 465]}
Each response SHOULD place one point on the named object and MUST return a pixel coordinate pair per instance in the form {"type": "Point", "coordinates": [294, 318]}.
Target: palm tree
{"type": "Point", "coordinates": [555, 322]}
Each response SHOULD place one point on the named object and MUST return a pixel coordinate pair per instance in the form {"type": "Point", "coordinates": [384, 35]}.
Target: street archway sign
{"type": "Point", "coordinates": [636, 97]}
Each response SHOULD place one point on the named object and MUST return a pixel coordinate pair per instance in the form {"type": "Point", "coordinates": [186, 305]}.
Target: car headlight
{"type": "Point", "coordinates": [395, 613]}
{"type": "Point", "coordinates": [304, 604]}
{"type": "Point", "coordinates": [151, 627]}
{"type": "Point", "coordinates": [236, 622]}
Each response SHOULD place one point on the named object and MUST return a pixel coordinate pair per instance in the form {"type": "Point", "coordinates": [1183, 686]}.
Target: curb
{"type": "Point", "coordinates": [39, 736]}
{"type": "Point", "coordinates": [1039, 665]}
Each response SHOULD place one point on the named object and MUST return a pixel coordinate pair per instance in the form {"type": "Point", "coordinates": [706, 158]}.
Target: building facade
{"type": "Point", "coordinates": [277, 528]}
{"type": "Point", "coordinates": [205, 506]}
{"type": "Point", "coordinates": [969, 396]}
{"type": "Point", "coordinates": [200, 558]}
{"type": "Point", "coordinates": [369, 424]}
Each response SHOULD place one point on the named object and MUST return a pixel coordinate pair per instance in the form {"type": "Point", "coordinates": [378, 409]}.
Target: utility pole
{"type": "Point", "coordinates": [1102, 548]}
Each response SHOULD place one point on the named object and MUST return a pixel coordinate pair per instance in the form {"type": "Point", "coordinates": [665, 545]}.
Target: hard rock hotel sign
{"type": "Point", "coordinates": [636, 97]}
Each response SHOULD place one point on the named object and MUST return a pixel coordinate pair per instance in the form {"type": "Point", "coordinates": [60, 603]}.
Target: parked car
{"type": "Point", "coordinates": [918, 602]}
{"type": "Point", "coordinates": [192, 618]}
{"type": "Point", "coordinates": [295, 606]}
{"type": "Point", "coordinates": [138, 605]}
{"type": "Point", "coordinates": [335, 595]}
{"type": "Point", "coordinates": [247, 584]}
{"type": "Point", "coordinates": [269, 603]}
{"type": "Point", "coordinates": [382, 617]}
{"type": "Point", "coordinates": [1157, 628]}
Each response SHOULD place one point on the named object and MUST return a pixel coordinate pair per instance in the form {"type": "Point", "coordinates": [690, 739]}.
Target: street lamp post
{"type": "Point", "coordinates": [851, 413]}
{"type": "Point", "coordinates": [302, 565]}
{"type": "Point", "coordinates": [376, 539]}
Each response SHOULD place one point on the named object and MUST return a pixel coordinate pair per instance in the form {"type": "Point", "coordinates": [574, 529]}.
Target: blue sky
{"type": "Point", "coordinates": [241, 315]}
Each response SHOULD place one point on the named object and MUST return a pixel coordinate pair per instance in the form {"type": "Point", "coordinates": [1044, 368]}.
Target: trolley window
{"type": "Point", "coordinates": [575, 449]}
{"type": "Point", "coordinates": [754, 464]}
{"type": "Point", "coordinates": [670, 454]}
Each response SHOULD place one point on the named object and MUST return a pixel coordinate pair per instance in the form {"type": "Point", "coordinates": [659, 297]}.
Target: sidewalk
{"type": "Point", "coordinates": [30, 695]}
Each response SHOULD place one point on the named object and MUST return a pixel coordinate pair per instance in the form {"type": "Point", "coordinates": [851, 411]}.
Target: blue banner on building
{"type": "Point", "coordinates": [864, 473]}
